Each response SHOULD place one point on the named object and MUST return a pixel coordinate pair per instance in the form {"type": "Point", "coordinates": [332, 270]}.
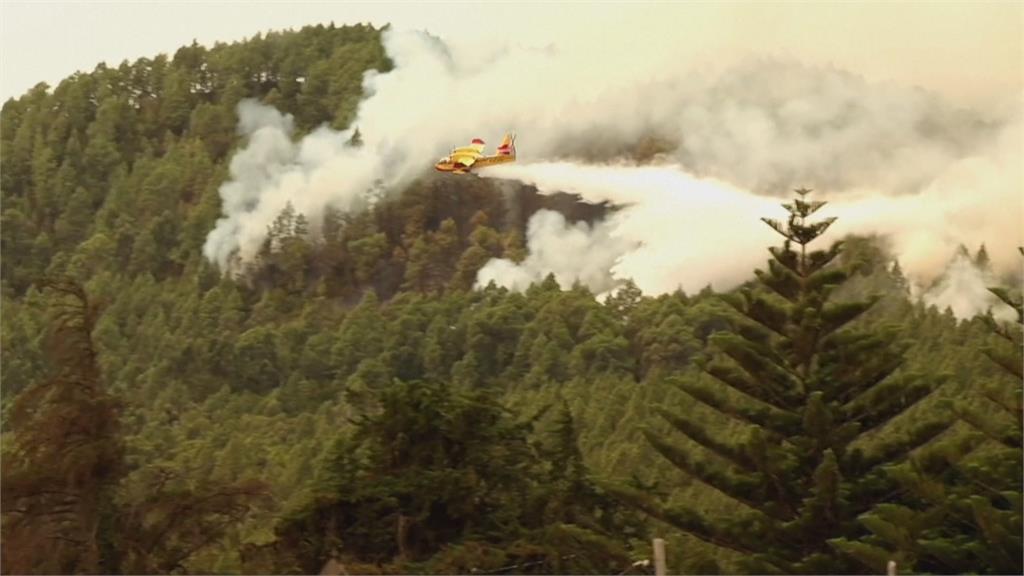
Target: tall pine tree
{"type": "Point", "coordinates": [65, 454]}
{"type": "Point", "coordinates": [814, 396]}
{"type": "Point", "coordinates": [967, 507]}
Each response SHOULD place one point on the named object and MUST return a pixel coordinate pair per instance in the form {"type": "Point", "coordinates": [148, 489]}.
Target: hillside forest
{"type": "Point", "coordinates": [353, 402]}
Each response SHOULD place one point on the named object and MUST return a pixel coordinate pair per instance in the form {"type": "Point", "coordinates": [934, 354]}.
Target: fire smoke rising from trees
{"type": "Point", "coordinates": [717, 151]}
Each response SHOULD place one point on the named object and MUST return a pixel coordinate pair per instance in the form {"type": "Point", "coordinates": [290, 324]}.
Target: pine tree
{"type": "Point", "coordinates": [898, 278]}
{"type": "Point", "coordinates": [356, 140]}
{"type": "Point", "coordinates": [982, 259]}
{"type": "Point", "coordinates": [436, 480]}
{"type": "Point", "coordinates": [61, 468]}
{"type": "Point", "coordinates": [421, 472]}
{"type": "Point", "coordinates": [970, 522]}
{"type": "Point", "coordinates": [811, 393]}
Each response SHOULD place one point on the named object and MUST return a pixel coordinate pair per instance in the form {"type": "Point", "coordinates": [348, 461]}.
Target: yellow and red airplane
{"type": "Point", "coordinates": [462, 160]}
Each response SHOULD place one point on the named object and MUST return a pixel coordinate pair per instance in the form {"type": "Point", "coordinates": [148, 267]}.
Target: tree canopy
{"type": "Point", "coordinates": [355, 398]}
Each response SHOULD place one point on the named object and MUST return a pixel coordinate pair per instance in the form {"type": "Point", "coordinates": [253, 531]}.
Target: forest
{"type": "Point", "coordinates": [354, 400]}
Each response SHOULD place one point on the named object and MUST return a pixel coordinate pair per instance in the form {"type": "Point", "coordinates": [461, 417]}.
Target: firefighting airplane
{"type": "Point", "coordinates": [461, 160]}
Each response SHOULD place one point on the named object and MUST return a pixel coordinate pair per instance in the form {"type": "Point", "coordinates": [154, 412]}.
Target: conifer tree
{"type": "Point", "coordinates": [970, 522]}
{"type": "Point", "coordinates": [440, 481]}
{"type": "Point", "coordinates": [357, 138]}
{"type": "Point", "coordinates": [811, 393]}
{"type": "Point", "coordinates": [66, 455]}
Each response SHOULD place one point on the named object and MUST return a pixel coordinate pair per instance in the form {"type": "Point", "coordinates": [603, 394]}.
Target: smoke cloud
{"type": "Point", "coordinates": [681, 231]}
{"type": "Point", "coordinates": [718, 150]}
{"type": "Point", "coordinates": [963, 288]}
{"type": "Point", "coordinates": [673, 231]}
{"type": "Point", "coordinates": [574, 253]}
{"type": "Point", "coordinates": [974, 200]}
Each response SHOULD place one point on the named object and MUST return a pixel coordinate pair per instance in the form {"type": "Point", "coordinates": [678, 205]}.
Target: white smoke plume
{"type": "Point", "coordinates": [978, 199]}
{"type": "Point", "coordinates": [683, 231]}
{"type": "Point", "coordinates": [674, 230]}
{"type": "Point", "coordinates": [963, 288]}
{"type": "Point", "coordinates": [894, 160]}
{"type": "Point", "coordinates": [273, 171]}
{"type": "Point", "coordinates": [572, 252]}
{"type": "Point", "coordinates": [680, 231]}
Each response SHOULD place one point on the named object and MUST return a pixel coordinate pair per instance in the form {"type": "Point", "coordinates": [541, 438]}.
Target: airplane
{"type": "Point", "coordinates": [462, 160]}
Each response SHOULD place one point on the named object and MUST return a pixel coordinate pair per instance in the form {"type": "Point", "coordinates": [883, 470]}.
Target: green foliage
{"type": "Point", "coordinates": [67, 506]}
{"type": "Point", "coordinates": [245, 412]}
{"type": "Point", "coordinates": [970, 521]}
{"type": "Point", "coordinates": [66, 455]}
{"type": "Point", "coordinates": [810, 395]}
{"type": "Point", "coordinates": [442, 480]}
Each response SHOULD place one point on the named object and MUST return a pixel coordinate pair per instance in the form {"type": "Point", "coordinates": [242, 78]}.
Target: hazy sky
{"type": "Point", "coordinates": [969, 51]}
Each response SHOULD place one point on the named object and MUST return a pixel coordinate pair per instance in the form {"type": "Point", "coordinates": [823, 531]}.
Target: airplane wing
{"type": "Point", "coordinates": [477, 146]}
{"type": "Point", "coordinates": [464, 159]}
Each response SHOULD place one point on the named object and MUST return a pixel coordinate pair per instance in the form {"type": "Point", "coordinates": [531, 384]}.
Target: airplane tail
{"type": "Point", "coordinates": [508, 145]}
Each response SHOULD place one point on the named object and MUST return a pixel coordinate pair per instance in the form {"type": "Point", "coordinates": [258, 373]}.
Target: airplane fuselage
{"type": "Point", "coordinates": [453, 167]}
{"type": "Point", "coordinates": [457, 167]}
